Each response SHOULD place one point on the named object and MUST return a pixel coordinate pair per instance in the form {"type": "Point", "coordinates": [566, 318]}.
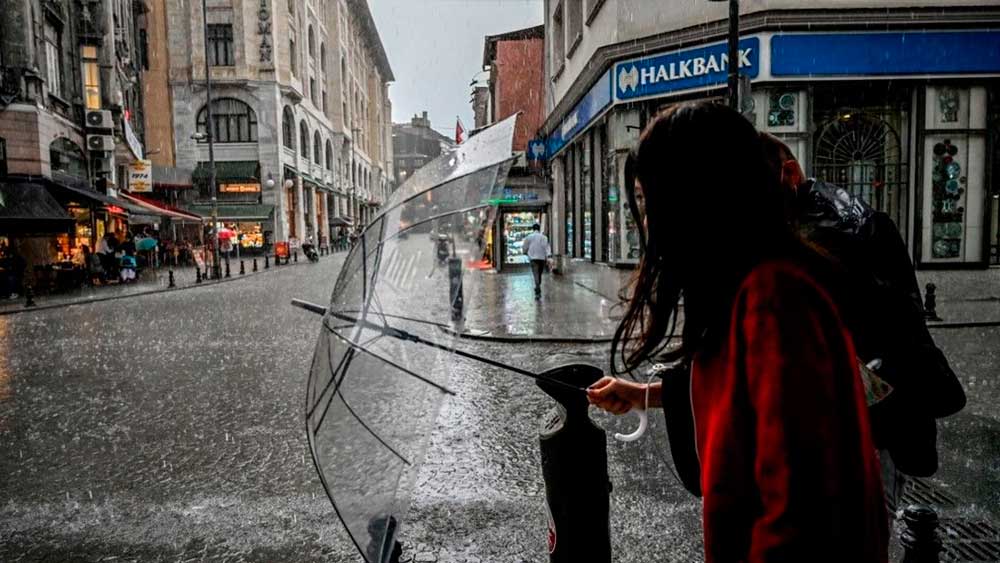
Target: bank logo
{"type": "Point", "coordinates": [628, 80]}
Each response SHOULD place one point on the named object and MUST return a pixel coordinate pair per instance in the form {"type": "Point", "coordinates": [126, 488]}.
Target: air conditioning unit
{"type": "Point", "coordinates": [99, 119]}
{"type": "Point", "coordinates": [100, 143]}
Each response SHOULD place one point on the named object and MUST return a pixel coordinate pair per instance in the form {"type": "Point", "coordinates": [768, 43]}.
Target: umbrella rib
{"type": "Point", "coordinates": [370, 431]}
{"type": "Point", "coordinates": [388, 332]}
{"type": "Point", "coordinates": [333, 379]}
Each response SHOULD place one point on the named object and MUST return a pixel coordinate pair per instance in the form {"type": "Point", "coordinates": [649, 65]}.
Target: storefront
{"type": "Point", "coordinates": [248, 222]}
{"type": "Point", "coordinates": [900, 118]}
{"type": "Point", "coordinates": [524, 203]}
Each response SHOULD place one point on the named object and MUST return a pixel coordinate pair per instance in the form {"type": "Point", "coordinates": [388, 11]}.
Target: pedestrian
{"type": "Point", "coordinates": [885, 317]}
{"type": "Point", "coordinates": [128, 267]}
{"type": "Point", "coordinates": [536, 247]}
{"type": "Point", "coordinates": [106, 249]}
{"type": "Point", "coordinates": [788, 468]}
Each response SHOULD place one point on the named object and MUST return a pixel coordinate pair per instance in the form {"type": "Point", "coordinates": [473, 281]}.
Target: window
{"type": "Point", "coordinates": [232, 121]}
{"type": "Point", "coordinates": [312, 91]}
{"type": "Point", "coordinates": [558, 40]}
{"type": "Point", "coordinates": [53, 59]}
{"type": "Point", "coordinates": [312, 43]}
{"type": "Point", "coordinates": [317, 148]}
{"type": "Point", "coordinates": [293, 55]}
{"type": "Point", "coordinates": [67, 158]}
{"type": "Point", "coordinates": [220, 44]}
{"type": "Point", "coordinates": [287, 129]}
{"type": "Point", "coordinates": [326, 111]}
{"type": "Point", "coordinates": [593, 7]}
{"type": "Point", "coordinates": [574, 24]}
{"type": "Point", "coordinates": [144, 49]}
{"type": "Point", "coordinates": [91, 76]}
{"type": "Point", "coordinates": [322, 58]}
{"type": "Point", "coordinates": [329, 156]}
{"type": "Point", "coordinates": [304, 140]}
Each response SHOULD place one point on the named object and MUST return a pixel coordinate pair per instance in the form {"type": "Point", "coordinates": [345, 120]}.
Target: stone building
{"type": "Point", "coordinates": [872, 96]}
{"type": "Point", "coordinates": [415, 144]}
{"type": "Point", "coordinates": [301, 113]}
{"type": "Point", "coordinates": [71, 111]}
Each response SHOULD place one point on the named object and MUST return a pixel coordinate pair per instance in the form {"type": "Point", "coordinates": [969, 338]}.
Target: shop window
{"type": "Point", "coordinates": [781, 110]}
{"type": "Point", "coordinates": [304, 140]}
{"type": "Point", "coordinates": [91, 72]}
{"type": "Point", "coordinates": [220, 44]}
{"type": "Point", "coordinates": [949, 104]}
{"type": "Point", "coordinates": [66, 157]}
{"type": "Point", "coordinates": [53, 58]}
{"type": "Point", "coordinates": [948, 182]}
{"type": "Point", "coordinates": [232, 121]}
{"type": "Point", "coordinates": [558, 40]}
{"type": "Point", "coordinates": [287, 128]}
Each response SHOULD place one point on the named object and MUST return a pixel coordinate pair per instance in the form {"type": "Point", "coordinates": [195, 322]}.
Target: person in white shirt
{"type": "Point", "coordinates": [536, 247]}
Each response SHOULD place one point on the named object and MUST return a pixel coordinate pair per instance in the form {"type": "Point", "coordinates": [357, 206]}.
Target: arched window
{"type": "Point", "coordinates": [317, 148]}
{"type": "Point", "coordinates": [329, 156]}
{"type": "Point", "coordinates": [232, 121]}
{"type": "Point", "coordinates": [343, 70]}
{"type": "Point", "coordinates": [287, 128]}
{"type": "Point", "coordinates": [304, 139]}
{"type": "Point", "coordinates": [67, 158]}
{"type": "Point", "coordinates": [322, 57]}
{"type": "Point", "coordinates": [312, 42]}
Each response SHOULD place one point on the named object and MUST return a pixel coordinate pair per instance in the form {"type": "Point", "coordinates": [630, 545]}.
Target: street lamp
{"type": "Point", "coordinates": [209, 124]}
{"type": "Point", "coordinates": [734, 54]}
{"type": "Point", "coordinates": [355, 132]}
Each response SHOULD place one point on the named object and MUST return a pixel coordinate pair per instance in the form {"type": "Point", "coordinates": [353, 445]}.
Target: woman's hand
{"type": "Point", "coordinates": [619, 396]}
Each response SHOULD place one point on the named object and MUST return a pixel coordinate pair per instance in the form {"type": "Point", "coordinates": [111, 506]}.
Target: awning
{"type": "Point", "coordinates": [29, 208]}
{"type": "Point", "coordinates": [157, 208]}
{"type": "Point", "coordinates": [227, 171]}
{"type": "Point", "coordinates": [232, 212]}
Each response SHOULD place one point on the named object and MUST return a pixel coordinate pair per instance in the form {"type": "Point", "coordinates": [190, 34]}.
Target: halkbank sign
{"type": "Point", "coordinates": [682, 70]}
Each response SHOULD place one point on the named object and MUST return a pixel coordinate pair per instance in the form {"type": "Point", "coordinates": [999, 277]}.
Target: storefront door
{"type": "Point", "coordinates": [515, 225]}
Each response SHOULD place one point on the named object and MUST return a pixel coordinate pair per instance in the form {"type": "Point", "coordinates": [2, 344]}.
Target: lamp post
{"type": "Point", "coordinates": [209, 124]}
{"type": "Point", "coordinates": [355, 132]}
{"type": "Point", "coordinates": [734, 53]}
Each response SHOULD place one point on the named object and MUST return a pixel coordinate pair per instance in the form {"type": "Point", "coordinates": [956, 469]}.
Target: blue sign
{"type": "Point", "coordinates": [536, 149]}
{"type": "Point", "coordinates": [682, 70]}
{"type": "Point", "coordinates": [592, 104]}
{"type": "Point", "coordinates": [897, 53]}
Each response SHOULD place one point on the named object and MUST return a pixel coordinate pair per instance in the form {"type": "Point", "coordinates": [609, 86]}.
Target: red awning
{"type": "Point", "coordinates": [158, 208]}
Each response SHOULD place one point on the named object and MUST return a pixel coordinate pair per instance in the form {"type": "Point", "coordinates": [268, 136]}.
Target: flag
{"type": "Point", "coordinates": [459, 131]}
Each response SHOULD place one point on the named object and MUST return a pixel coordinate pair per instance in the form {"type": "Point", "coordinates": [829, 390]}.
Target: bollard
{"type": "Point", "coordinates": [920, 540]}
{"type": "Point", "coordinates": [227, 268]}
{"type": "Point", "coordinates": [296, 253]}
{"type": "Point", "coordinates": [267, 261]}
{"type": "Point", "coordinates": [243, 270]}
{"type": "Point", "coordinates": [170, 279]}
{"type": "Point", "coordinates": [255, 264]}
{"type": "Point", "coordinates": [277, 260]}
{"type": "Point", "coordinates": [29, 296]}
{"type": "Point", "coordinates": [575, 458]}
{"type": "Point", "coordinates": [455, 294]}
{"type": "Point", "coordinates": [930, 303]}
{"type": "Point", "coordinates": [197, 274]}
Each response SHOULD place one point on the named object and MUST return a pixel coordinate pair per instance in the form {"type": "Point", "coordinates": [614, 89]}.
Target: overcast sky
{"type": "Point", "coordinates": [436, 46]}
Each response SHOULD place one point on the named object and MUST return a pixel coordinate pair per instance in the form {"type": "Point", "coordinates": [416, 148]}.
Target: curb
{"type": "Point", "coordinates": [139, 293]}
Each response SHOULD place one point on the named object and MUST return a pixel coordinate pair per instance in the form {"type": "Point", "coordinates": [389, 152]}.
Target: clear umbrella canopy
{"type": "Point", "coordinates": [386, 350]}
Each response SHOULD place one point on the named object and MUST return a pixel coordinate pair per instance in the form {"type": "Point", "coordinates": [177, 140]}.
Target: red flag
{"type": "Point", "coordinates": [459, 131]}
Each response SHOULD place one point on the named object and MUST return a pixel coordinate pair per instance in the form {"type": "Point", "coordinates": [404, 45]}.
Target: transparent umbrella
{"type": "Point", "coordinates": [391, 335]}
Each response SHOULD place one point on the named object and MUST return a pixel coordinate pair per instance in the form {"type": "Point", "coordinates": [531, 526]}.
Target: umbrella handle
{"type": "Point", "coordinates": [638, 432]}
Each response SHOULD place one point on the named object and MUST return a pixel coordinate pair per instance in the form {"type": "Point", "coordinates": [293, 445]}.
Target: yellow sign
{"type": "Point", "coordinates": [239, 188]}
{"type": "Point", "coordinates": [140, 176]}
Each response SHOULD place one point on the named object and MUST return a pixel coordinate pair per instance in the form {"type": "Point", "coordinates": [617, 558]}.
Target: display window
{"type": "Point", "coordinates": [516, 226]}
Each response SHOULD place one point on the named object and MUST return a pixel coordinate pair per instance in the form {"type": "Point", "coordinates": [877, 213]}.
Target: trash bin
{"type": "Point", "coordinates": [575, 469]}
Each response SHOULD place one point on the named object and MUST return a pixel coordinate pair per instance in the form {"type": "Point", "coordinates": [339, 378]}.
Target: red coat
{"type": "Point", "coordinates": [789, 470]}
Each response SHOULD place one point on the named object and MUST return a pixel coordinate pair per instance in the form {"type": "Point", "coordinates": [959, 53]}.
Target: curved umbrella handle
{"type": "Point", "coordinates": [638, 432]}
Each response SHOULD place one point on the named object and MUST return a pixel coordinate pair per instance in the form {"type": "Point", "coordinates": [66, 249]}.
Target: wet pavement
{"type": "Point", "coordinates": [169, 427]}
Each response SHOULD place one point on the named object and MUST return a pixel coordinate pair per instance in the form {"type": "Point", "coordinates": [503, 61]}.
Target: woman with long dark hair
{"type": "Point", "coordinates": [788, 470]}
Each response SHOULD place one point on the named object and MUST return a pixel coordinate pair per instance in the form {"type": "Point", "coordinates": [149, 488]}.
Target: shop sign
{"type": "Point", "coordinates": [891, 53]}
{"type": "Point", "coordinates": [132, 139]}
{"type": "Point", "coordinates": [683, 70]}
{"type": "Point", "coordinates": [239, 188]}
{"type": "Point", "coordinates": [592, 104]}
{"type": "Point", "coordinates": [140, 176]}
{"type": "Point", "coordinates": [536, 149]}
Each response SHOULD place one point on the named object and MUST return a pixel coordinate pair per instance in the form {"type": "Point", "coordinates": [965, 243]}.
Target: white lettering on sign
{"type": "Point", "coordinates": [688, 68]}
{"type": "Point", "coordinates": [569, 124]}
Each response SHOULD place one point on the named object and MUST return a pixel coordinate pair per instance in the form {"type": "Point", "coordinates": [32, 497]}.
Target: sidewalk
{"type": "Point", "coordinates": [964, 295]}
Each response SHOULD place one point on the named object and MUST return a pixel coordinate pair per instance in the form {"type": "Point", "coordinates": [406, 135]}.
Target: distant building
{"type": "Point", "coordinates": [415, 144]}
{"type": "Point", "coordinates": [481, 106]}
{"type": "Point", "coordinates": [515, 64]}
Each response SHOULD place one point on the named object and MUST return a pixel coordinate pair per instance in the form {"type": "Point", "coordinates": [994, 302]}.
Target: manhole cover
{"type": "Point", "coordinates": [919, 491]}
{"type": "Point", "coordinates": [969, 541]}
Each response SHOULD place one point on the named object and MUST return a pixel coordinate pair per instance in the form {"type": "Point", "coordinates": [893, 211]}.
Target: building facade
{"type": "Point", "coordinates": [897, 101]}
{"type": "Point", "coordinates": [71, 114]}
{"type": "Point", "coordinates": [514, 61]}
{"type": "Point", "coordinates": [414, 144]}
{"type": "Point", "coordinates": [300, 114]}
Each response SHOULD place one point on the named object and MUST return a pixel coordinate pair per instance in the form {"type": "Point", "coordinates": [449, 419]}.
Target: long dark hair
{"type": "Point", "coordinates": [713, 212]}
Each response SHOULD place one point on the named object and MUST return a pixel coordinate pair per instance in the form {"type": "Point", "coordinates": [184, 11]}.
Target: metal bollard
{"type": "Point", "coordinates": [575, 458]}
{"type": "Point", "coordinates": [455, 293]}
{"type": "Point", "coordinates": [267, 261]}
{"type": "Point", "coordinates": [296, 254]}
{"type": "Point", "coordinates": [920, 540]}
{"type": "Point", "coordinates": [170, 279]}
{"type": "Point", "coordinates": [243, 269]}
{"type": "Point", "coordinates": [930, 303]}
{"type": "Point", "coordinates": [197, 274]}
{"type": "Point", "coordinates": [227, 268]}
{"type": "Point", "coordinates": [255, 264]}
{"type": "Point", "coordinates": [29, 296]}
{"type": "Point", "coordinates": [277, 260]}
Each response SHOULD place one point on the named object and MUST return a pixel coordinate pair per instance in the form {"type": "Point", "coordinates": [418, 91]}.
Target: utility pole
{"type": "Point", "coordinates": [209, 125]}
{"type": "Point", "coordinates": [734, 53]}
